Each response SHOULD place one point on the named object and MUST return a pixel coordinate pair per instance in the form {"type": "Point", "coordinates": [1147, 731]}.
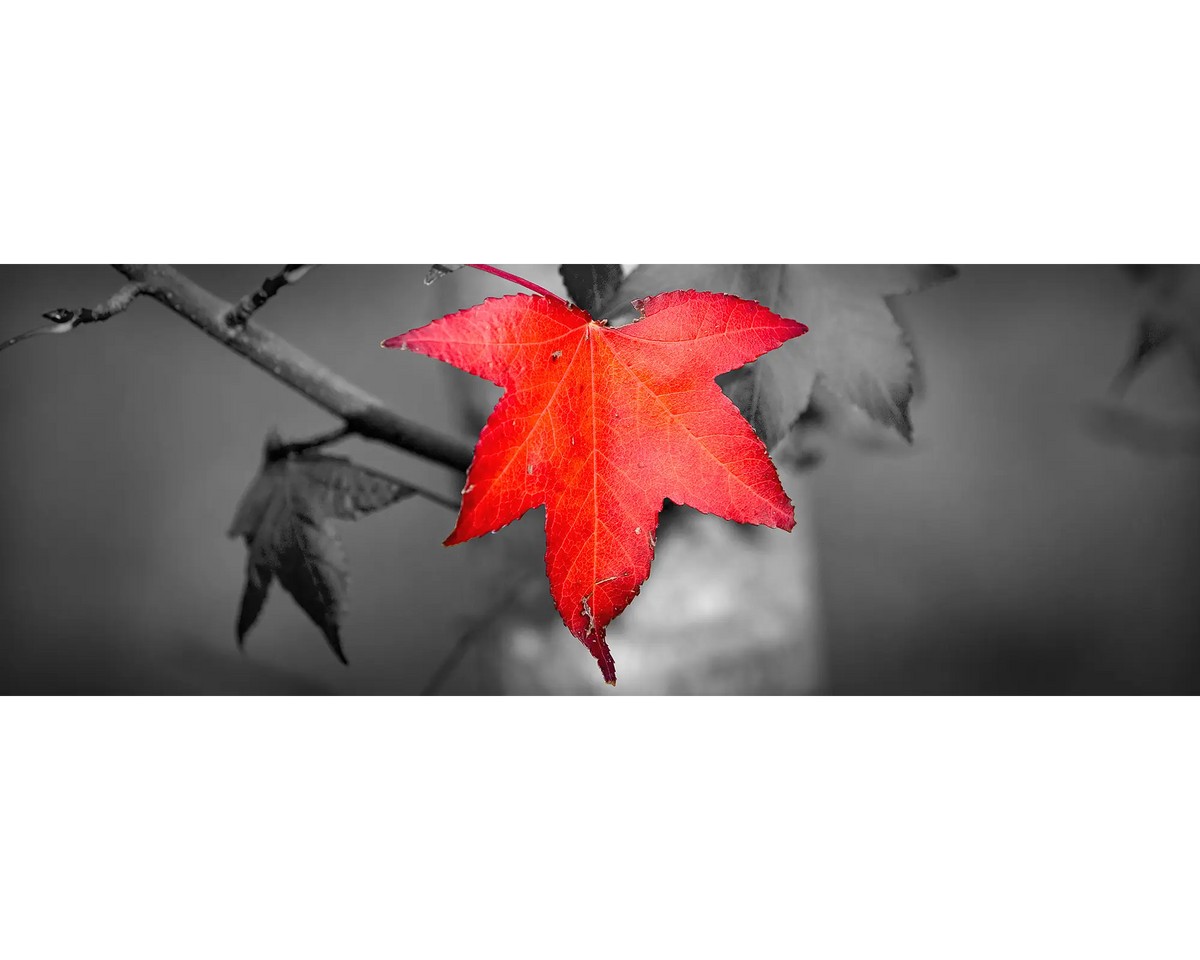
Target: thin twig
{"type": "Point", "coordinates": [366, 415]}
{"type": "Point", "coordinates": [463, 644]}
{"type": "Point", "coordinates": [439, 270]}
{"type": "Point", "coordinates": [63, 320]}
{"type": "Point", "coordinates": [290, 274]}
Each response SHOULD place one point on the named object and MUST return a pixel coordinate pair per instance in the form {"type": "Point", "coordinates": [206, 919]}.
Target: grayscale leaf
{"type": "Point", "coordinates": [286, 517]}
{"type": "Point", "coordinates": [591, 285]}
{"type": "Point", "coordinates": [854, 346]}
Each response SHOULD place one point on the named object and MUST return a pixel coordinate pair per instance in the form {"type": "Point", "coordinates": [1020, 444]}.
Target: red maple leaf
{"type": "Point", "coordinates": [600, 424]}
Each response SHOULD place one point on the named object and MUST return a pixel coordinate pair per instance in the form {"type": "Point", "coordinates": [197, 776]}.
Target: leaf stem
{"type": "Point", "coordinates": [496, 271]}
{"type": "Point", "coordinates": [463, 644]}
{"type": "Point", "coordinates": [277, 450]}
{"type": "Point", "coordinates": [280, 451]}
{"type": "Point", "coordinates": [437, 498]}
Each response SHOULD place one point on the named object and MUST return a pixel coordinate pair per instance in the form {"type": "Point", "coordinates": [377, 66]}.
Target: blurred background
{"type": "Point", "coordinates": [1025, 543]}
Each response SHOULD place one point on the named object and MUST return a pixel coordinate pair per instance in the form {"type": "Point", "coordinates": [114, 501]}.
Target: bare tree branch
{"type": "Point", "coordinates": [363, 413]}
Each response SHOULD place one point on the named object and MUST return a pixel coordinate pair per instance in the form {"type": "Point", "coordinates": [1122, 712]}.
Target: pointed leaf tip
{"type": "Point", "coordinates": [335, 644]}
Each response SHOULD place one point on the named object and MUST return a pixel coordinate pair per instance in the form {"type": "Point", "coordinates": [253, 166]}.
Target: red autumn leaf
{"type": "Point", "coordinates": [600, 424]}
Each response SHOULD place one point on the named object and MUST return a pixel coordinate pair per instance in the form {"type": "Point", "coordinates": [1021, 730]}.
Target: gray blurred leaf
{"type": "Point", "coordinates": [591, 285]}
{"type": "Point", "coordinates": [1169, 318]}
{"type": "Point", "coordinates": [285, 518]}
{"type": "Point", "coordinates": [854, 347]}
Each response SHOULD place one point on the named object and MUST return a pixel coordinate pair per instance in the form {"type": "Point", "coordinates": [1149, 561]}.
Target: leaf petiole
{"type": "Point", "coordinates": [504, 274]}
{"type": "Point", "coordinates": [275, 449]}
